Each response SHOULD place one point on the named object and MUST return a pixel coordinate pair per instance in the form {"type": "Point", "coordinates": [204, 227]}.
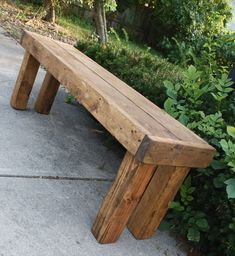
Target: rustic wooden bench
{"type": "Point", "coordinates": [160, 150]}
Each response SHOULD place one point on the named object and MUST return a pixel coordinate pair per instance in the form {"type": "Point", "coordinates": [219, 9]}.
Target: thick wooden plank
{"type": "Point", "coordinates": [193, 149]}
{"type": "Point", "coordinates": [24, 82]}
{"type": "Point", "coordinates": [122, 198]}
{"type": "Point", "coordinates": [115, 120]}
{"type": "Point", "coordinates": [47, 94]}
{"type": "Point", "coordinates": [127, 122]}
{"type": "Point", "coordinates": [119, 100]}
{"type": "Point", "coordinates": [162, 151]}
{"type": "Point", "coordinates": [91, 80]}
{"type": "Point", "coordinates": [154, 203]}
{"type": "Point", "coordinates": [160, 116]}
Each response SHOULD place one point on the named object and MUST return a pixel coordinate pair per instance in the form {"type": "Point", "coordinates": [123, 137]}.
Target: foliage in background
{"type": "Point", "coordinates": [141, 69]}
{"type": "Point", "coordinates": [221, 47]}
{"type": "Point", "coordinates": [186, 19]}
{"type": "Point", "coordinates": [100, 7]}
{"type": "Point", "coordinates": [204, 210]}
{"type": "Point", "coordinates": [197, 35]}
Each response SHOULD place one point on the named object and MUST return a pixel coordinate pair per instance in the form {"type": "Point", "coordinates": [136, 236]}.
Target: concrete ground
{"type": "Point", "coordinates": [41, 215]}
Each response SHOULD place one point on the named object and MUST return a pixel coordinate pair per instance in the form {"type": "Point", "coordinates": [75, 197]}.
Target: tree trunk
{"type": "Point", "coordinates": [50, 11]}
{"type": "Point", "coordinates": [100, 21]}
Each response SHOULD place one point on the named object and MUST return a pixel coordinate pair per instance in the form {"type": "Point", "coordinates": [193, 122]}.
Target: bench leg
{"type": "Point", "coordinates": [122, 198]}
{"type": "Point", "coordinates": [154, 203]}
{"type": "Point", "coordinates": [24, 82]}
{"type": "Point", "coordinates": [47, 94]}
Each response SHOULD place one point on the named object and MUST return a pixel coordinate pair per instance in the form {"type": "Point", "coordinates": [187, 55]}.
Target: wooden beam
{"type": "Point", "coordinates": [131, 122]}
{"type": "Point", "coordinates": [122, 198]}
{"type": "Point", "coordinates": [89, 91]}
{"type": "Point", "coordinates": [154, 203]}
{"type": "Point", "coordinates": [165, 151]}
{"type": "Point", "coordinates": [47, 94]}
{"type": "Point", "coordinates": [24, 82]}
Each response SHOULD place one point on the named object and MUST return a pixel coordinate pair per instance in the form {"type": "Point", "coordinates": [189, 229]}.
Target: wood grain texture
{"type": "Point", "coordinates": [47, 94]}
{"type": "Point", "coordinates": [126, 114]}
{"type": "Point", "coordinates": [122, 198]}
{"type": "Point", "coordinates": [152, 138]}
{"type": "Point", "coordinates": [87, 91]}
{"type": "Point", "coordinates": [155, 201]}
{"type": "Point", "coordinates": [24, 82]}
{"type": "Point", "coordinates": [159, 115]}
{"type": "Point", "coordinates": [162, 151]}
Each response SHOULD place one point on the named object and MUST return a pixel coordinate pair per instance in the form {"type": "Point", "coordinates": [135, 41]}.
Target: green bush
{"type": "Point", "coordinates": [201, 98]}
{"type": "Point", "coordinates": [222, 46]}
{"type": "Point", "coordinates": [204, 209]}
{"type": "Point", "coordinates": [140, 69]}
{"type": "Point", "coordinates": [186, 19]}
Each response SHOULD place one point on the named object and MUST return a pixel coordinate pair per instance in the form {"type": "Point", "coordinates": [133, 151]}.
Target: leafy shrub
{"type": "Point", "coordinates": [204, 210]}
{"type": "Point", "coordinates": [186, 19]}
{"type": "Point", "coordinates": [201, 98]}
{"type": "Point", "coordinates": [140, 69]}
{"type": "Point", "coordinates": [226, 48]}
{"type": "Point", "coordinates": [221, 46]}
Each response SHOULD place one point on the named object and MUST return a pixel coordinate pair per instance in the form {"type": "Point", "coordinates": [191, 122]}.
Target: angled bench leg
{"type": "Point", "coordinates": [24, 82]}
{"type": "Point", "coordinates": [154, 203]}
{"type": "Point", "coordinates": [47, 94]}
{"type": "Point", "coordinates": [122, 198]}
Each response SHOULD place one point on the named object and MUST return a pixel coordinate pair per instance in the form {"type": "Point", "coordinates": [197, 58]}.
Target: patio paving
{"type": "Point", "coordinates": [54, 172]}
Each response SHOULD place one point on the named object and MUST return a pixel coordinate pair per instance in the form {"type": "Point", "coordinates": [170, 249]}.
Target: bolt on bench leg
{"type": "Point", "coordinates": [24, 82]}
{"type": "Point", "coordinates": [154, 203]}
{"type": "Point", "coordinates": [47, 94]}
{"type": "Point", "coordinates": [122, 198]}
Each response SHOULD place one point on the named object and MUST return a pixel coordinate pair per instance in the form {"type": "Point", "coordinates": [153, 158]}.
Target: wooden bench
{"type": "Point", "coordinates": [160, 150]}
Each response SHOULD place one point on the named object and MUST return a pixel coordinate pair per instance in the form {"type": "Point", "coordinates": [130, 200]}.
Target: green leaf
{"type": "Point", "coordinates": [168, 84]}
{"type": "Point", "coordinates": [230, 189]}
{"type": "Point", "coordinates": [177, 206]}
{"type": "Point", "coordinates": [228, 89]}
{"type": "Point", "coordinates": [203, 224]}
{"type": "Point", "coordinates": [188, 182]}
{"type": "Point", "coordinates": [183, 119]}
{"type": "Point", "coordinates": [172, 94]}
{"type": "Point", "coordinates": [174, 205]}
{"type": "Point", "coordinates": [168, 105]}
{"type": "Point", "coordinates": [177, 87]}
{"type": "Point", "coordinates": [218, 181]}
{"type": "Point", "coordinates": [193, 235]}
{"type": "Point", "coordinates": [189, 198]}
{"type": "Point", "coordinates": [224, 144]}
{"type": "Point", "coordinates": [231, 131]}
{"type": "Point", "coordinates": [191, 190]}
{"type": "Point", "coordinates": [218, 165]}
{"type": "Point", "coordinates": [232, 226]}
{"type": "Point", "coordinates": [218, 86]}
{"type": "Point", "coordinates": [192, 73]}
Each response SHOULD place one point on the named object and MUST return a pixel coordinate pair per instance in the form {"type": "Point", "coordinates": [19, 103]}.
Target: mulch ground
{"type": "Point", "coordinates": [14, 20]}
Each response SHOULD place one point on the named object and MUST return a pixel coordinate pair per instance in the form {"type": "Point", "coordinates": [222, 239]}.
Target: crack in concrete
{"type": "Point", "coordinates": [54, 177]}
{"type": "Point", "coordinates": [4, 81]}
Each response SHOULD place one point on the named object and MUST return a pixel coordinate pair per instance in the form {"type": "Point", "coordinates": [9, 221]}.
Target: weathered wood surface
{"type": "Point", "coordinates": [122, 198]}
{"type": "Point", "coordinates": [141, 191]}
{"type": "Point", "coordinates": [24, 82]}
{"type": "Point", "coordinates": [155, 201]}
{"type": "Point", "coordinates": [139, 125]}
{"type": "Point", "coordinates": [47, 94]}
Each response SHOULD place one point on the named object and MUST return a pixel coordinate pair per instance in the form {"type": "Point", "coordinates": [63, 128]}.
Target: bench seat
{"type": "Point", "coordinates": [157, 145]}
